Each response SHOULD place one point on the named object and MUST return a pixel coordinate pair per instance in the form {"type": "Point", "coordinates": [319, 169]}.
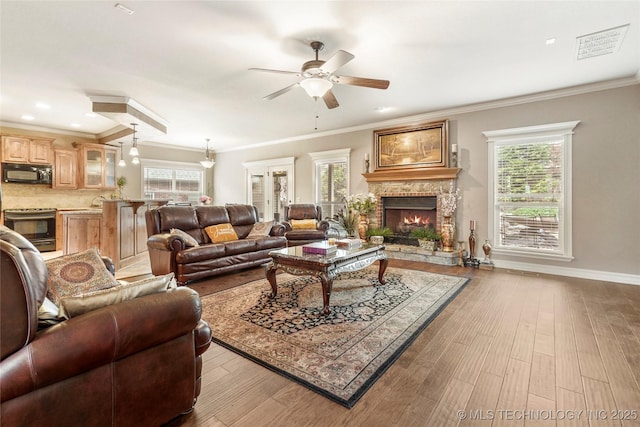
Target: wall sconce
{"type": "Point", "coordinates": [454, 155]}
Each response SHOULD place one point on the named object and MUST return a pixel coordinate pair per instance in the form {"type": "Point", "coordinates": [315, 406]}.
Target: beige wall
{"type": "Point", "coordinates": [606, 173]}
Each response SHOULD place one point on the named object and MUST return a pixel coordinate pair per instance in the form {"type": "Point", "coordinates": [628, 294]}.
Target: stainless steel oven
{"type": "Point", "coordinates": [38, 225]}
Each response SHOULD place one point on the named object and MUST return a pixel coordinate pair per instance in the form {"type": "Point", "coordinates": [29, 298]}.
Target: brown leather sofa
{"type": "Point", "coordinates": [306, 211]}
{"type": "Point", "coordinates": [170, 253]}
{"type": "Point", "coordinates": [137, 362]}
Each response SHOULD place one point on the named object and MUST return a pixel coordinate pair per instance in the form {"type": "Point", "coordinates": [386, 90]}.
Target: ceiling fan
{"type": "Point", "coordinates": [319, 78]}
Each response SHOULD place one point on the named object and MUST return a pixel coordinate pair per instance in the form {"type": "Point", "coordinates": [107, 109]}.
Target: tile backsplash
{"type": "Point", "coordinates": [19, 196]}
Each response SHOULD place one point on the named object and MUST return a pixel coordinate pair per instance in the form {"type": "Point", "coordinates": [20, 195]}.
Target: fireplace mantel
{"type": "Point", "coordinates": [412, 174]}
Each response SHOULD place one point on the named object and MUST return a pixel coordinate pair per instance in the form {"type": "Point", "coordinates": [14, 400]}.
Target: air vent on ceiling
{"type": "Point", "coordinates": [600, 43]}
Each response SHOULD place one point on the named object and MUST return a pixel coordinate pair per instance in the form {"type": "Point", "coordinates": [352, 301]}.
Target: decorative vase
{"type": "Point", "coordinates": [472, 244]}
{"type": "Point", "coordinates": [447, 232]}
{"type": "Point", "coordinates": [376, 240]}
{"type": "Point", "coordinates": [486, 248]}
{"type": "Point", "coordinates": [363, 226]}
{"type": "Point", "coordinates": [429, 245]}
{"type": "Point", "coordinates": [461, 253]}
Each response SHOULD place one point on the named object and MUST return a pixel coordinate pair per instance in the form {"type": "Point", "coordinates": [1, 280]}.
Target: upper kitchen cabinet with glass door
{"type": "Point", "coordinates": [97, 165]}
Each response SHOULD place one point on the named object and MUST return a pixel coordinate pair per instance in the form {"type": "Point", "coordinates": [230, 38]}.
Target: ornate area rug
{"type": "Point", "coordinates": [339, 355]}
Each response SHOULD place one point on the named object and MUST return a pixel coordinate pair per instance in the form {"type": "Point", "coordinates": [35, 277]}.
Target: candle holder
{"type": "Point", "coordinates": [366, 165]}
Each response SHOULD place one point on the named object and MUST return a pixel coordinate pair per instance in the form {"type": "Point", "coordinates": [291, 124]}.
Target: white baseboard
{"type": "Point", "coordinates": [606, 276]}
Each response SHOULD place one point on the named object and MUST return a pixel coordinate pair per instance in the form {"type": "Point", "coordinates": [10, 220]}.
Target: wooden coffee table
{"type": "Point", "coordinates": [294, 261]}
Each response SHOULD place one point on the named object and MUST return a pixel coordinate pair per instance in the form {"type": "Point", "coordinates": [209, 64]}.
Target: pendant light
{"type": "Point", "coordinates": [207, 163]}
{"type": "Point", "coordinates": [134, 148]}
{"type": "Point", "coordinates": [122, 163]}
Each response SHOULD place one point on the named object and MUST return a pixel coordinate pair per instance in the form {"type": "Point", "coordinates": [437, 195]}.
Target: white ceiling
{"type": "Point", "coordinates": [188, 61]}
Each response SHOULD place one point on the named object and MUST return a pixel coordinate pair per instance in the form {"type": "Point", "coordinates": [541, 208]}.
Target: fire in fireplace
{"type": "Point", "coordinates": [406, 213]}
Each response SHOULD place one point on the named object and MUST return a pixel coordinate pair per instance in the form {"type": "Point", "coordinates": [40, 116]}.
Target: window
{"type": "Point", "coordinates": [331, 180]}
{"type": "Point", "coordinates": [179, 182]}
{"type": "Point", "coordinates": [530, 190]}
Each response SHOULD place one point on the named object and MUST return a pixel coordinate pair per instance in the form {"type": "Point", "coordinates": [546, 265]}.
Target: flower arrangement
{"type": "Point", "coordinates": [362, 204]}
{"type": "Point", "coordinates": [449, 201]}
{"type": "Point", "coordinates": [205, 200]}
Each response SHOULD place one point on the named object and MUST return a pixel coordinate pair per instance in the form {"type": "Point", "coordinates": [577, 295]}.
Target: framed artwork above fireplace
{"type": "Point", "coordinates": [421, 146]}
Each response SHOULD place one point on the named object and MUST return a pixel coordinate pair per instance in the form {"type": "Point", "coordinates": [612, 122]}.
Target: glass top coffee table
{"type": "Point", "coordinates": [326, 267]}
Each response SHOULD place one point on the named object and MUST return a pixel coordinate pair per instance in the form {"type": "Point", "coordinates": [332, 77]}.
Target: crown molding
{"type": "Point", "coordinates": [465, 109]}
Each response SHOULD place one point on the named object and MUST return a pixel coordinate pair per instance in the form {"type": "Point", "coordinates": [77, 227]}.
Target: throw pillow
{"type": "Point", "coordinates": [76, 274]}
{"type": "Point", "coordinates": [303, 224]}
{"type": "Point", "coordinates": [48, 314]}
{"type": "Point", "coordinates": [188, 239]}
{"type": "Point", "coordinates": [260, 229]}
{"type": "Point", "coordinates": [76, 305]}
{"type": "Point", "coordinates": [221, 233]}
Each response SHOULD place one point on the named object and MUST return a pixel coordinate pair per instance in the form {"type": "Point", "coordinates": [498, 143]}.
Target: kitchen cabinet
{"type": "Point", "coordinates": [65, 169]}
{"type": "Point", "coordinates": [78, 230]}
{"type": "Point", "coordinates": [97, 166]}
{"type": "Point", "coordinates": [19, 149]}
{"type": "Point", "coordinates": [125, 230]}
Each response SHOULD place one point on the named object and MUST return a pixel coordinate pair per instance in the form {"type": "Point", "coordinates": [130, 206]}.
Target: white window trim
{"type": "Point", "coordinates": [323, 157]}
{"type": "Point", "coordinates": [173, 165]}
{"type": "Point", "coordinates": [523, 135]}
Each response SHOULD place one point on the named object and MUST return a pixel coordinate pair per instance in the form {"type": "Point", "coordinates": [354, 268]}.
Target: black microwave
{"type": "Point", "coordinates": [26, 174]}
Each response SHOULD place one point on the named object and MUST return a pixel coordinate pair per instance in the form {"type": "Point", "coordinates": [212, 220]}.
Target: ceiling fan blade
{"type": "Point", "coordinates": [360, 81]}
{"type": "Point", "coordinates": [330, 99]}
{"type": "Point", "coordinates": [338, 59]}
{"type": "Point", "coordinates": [280, 92]}
{"type": "Point", "coordinates": [266, 70]}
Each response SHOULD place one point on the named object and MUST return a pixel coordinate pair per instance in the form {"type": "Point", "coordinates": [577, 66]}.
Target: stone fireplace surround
{"type": "Point", "coordinates": [409, 183]}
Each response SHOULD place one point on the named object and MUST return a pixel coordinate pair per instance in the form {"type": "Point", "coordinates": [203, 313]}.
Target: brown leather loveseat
{"type": "Point", "coordinates": [133, 363]}
{"type": "Point", "coordinates": [171, 252]}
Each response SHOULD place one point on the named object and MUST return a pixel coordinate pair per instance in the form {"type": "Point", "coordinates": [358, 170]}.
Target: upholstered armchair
{"type": "Point", "coordinates": [304, 224]}
{"type": "Point", "coordinates": [136, 362]}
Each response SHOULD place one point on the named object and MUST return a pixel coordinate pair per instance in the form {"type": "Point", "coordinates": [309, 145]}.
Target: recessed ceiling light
{"type": "Point", "coordinates": [550, 41]}
{"type": "Point", "coordinates": [27, 117]}
{"type": "Point", "coordinates": [124, 8]}
{"type": "Point", "coordinates": [43, 106]}
{"type": "Point", "coordinates": [75, 125]}
{"type": "Point", "coordinates": [383, 109]}
{"type": "Point", "coordinates": [91, 115]}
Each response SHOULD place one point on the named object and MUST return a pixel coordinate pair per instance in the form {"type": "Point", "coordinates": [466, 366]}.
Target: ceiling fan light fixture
{"type": "Point", "coordinates": [315, 86]}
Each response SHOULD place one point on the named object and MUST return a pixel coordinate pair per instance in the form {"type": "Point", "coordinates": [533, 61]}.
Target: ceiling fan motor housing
{"type": "Point", "coordinates": [313, 68]}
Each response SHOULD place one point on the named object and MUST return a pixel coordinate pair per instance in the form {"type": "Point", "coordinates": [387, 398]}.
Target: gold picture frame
{"type": "Point", "coordinates": [419, 146]}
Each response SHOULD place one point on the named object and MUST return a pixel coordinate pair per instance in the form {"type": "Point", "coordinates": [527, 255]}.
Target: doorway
{"type": "Point", "coordinates": [270, 185]}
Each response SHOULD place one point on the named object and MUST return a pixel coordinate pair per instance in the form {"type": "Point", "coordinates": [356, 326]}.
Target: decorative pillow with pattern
{"type": "Point", "coordinates": [260, 229]}
{"type": "Point", "coordinates": [221, 233]}
{"type": "Point", "coordinates": [303, 224]}
{"type": "Point", "coordinates": [76, 305]}
{"type": "Point", "coordinates": [76, 274]}
{"type": "Point", "coordinates": [188, 239]}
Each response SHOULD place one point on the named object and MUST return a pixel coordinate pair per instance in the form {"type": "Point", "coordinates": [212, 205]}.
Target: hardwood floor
{"type": "Point", "coordinates": [510, 349]}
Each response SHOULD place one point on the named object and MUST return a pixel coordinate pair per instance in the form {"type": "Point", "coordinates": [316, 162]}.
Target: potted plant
{"type": "Point", "coordinates": [377, 235]}
{"type": "Point", "coordinates": [427, 237]}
